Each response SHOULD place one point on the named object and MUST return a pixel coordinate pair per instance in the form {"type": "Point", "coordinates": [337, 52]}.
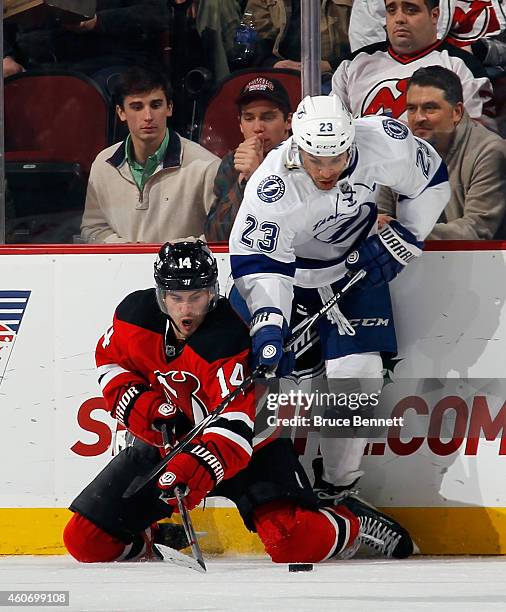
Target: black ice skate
{"type": "Point", "coordinates": [378, 531]}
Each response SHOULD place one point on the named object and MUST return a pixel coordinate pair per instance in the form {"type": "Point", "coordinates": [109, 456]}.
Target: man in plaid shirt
{"type": "Point", "coordinates": [265, 120]}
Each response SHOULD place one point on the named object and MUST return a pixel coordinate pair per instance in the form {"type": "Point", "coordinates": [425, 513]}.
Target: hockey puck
{"type": "Point", "coordinates": [300, 567]}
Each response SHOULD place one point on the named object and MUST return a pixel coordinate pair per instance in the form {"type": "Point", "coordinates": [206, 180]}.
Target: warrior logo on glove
{"type": "Point", "coordinates": [167, 479]}
{"type": "Point", "coordinates": [269, 351]}
{"type": "Point", "coordinates": [167, 410]}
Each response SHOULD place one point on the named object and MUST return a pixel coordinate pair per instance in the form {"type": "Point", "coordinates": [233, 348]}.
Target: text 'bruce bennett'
{"type": "Point", "coordinates": [320, 421]}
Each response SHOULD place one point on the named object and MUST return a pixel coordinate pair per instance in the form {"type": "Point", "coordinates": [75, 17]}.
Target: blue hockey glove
{"type": "Point", "coordinates": [268, 330]}
{"type": "Point", "coordinates": [385, 254]}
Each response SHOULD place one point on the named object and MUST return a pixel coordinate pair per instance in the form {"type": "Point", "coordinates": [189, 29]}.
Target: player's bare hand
{"type": "Point", "coordinates": [248, 156]}
{"type": "Point", "coordinates": [383, 220]}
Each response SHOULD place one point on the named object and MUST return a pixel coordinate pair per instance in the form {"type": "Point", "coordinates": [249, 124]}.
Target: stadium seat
{"type": "Point", "coordinates": [220, 131]}
{"type": "Point", "coordinates": [55, 124]}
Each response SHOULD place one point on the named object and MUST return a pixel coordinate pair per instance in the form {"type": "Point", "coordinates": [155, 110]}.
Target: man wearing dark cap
{"type": "Point", "coordinates": [265, 119]}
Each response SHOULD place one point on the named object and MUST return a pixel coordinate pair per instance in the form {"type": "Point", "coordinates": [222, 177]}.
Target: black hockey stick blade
{"type": "Point", "coordinates": [188, 527]}
{"type": "Point", "coordinates": [139, 482]}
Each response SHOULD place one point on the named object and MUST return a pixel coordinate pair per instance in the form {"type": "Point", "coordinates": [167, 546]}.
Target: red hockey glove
{"type": "Point", "coordinates": [143, 412]}
{"type": "Point", "coordinates": [195, 469]}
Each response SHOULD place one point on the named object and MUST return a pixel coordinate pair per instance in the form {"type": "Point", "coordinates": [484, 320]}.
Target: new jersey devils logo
{"type": "Point", "coordinates": [386, 97]}
{"type": "Point", "coordinates": [472, 20]}
{"type": "Point", "coordinates": [183, 387]}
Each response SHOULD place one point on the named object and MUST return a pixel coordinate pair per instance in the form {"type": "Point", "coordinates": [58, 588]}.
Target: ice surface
{"type": "Point", "coordinates": [255, 584]}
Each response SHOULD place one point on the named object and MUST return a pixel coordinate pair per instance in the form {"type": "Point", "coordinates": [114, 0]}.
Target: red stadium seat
{"type": "Point", "coordinates": [62, 114]}
{"type": "Point", "coordinates": [55, 124]}
{"type": "Point", "coordinates": [220, 126]}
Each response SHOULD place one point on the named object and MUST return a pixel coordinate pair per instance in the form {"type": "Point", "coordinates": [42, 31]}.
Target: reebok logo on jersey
{"type": "Point", "coordinates": [395, 129]}
{"type": "Point", "coordinates": [209, 460]}
{"type": "Point", "coordinates": [271, 189]}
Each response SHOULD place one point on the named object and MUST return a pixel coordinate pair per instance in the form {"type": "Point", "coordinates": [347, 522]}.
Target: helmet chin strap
{"type": "Point", "coordinates": [178, 333]}
{"type": "Point", "coordinates": [348, 161]}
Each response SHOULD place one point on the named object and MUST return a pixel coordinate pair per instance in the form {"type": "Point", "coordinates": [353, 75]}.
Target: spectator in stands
{"type": "Point", "coordinates": [216, 22]}
{"type": "Point", "coordinates": [278, 26]}
{"type": "Point", "coordinates": [475, 157]}
{"type": "Point", "coordinates": [154, 186]}
{"type": "Point", "coordinates": [460, 22]}
{"type": "Point", "coordinates": [374, 79]}
{"type": "Point", "coordinates": [265, 119]}
{"type": "Point", "coordinates": [120, 34]}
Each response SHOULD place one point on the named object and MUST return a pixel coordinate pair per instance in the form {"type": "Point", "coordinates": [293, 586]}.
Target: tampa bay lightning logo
{"type": "Point", "coordinates": [271, 189]}
{"type": "Point", "coordinates": [395, 129]}
{"type": "Point", "coordinates": [345, 229]}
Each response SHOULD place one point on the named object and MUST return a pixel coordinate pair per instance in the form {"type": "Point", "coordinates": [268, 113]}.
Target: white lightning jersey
{"type": "Point", "coordinates": [374, 80]}
{"type": "Point", "coordinates": [288, 231]}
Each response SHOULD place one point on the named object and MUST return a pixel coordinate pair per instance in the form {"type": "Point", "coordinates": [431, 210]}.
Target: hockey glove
{"type": "Point", "coordinates": [196, 470]}
{"type": "Point", "coordinates": [385, 254]}
{"type": "Point", "coordinates": [143, 412]}
{"type": "Point", "coordinates": [268, 330]}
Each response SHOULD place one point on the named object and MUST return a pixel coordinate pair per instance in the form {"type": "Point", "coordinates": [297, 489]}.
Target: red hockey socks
{"type": "Point", "coordinates": [89, 544]}
{"type": "Point", "coordinates": [292, 534]}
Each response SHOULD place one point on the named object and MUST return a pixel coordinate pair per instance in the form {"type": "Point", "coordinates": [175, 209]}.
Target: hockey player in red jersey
{"type": "Point", "coordinates": [171, 356]}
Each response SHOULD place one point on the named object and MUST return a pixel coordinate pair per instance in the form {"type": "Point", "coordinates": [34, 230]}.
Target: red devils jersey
{"type": "Point", "coordinates": [373, 81]}
{"type": "Point", "coordinates": [138, 362]}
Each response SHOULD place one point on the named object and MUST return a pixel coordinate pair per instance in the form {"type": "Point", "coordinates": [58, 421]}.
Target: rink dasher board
{"type": "Point", "coordinates": [449, 312]}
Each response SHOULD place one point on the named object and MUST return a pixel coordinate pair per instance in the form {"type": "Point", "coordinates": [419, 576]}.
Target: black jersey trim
{"type": "Point", "coordinates": [221, 335]}
{"type": "Point", "coordinates": [140, 308]}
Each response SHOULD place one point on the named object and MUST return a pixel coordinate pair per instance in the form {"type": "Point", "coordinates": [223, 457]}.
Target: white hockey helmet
{"type": "Point", "coordinates": [323, 126]}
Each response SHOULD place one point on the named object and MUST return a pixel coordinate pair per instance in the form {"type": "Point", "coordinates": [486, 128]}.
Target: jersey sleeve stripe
{"type": "Point", "coordinates": [238, 416]}
{"type": "Point", "coordinates": [440, 176]}
{"type": "Point", "coordinates": [244, 265]}
{"type": "Point", "coordinates": [107, 372]}
{"type": "Point", "coordinates": [230, 435]}
{"type": "Point", "coordinates": [237, 427]}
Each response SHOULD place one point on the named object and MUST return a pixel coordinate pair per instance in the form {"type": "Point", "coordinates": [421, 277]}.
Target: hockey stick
{"type": "Point", "coordinates": [185, 515]}
{"type": "Point", "coordinates": [188, 527]}
{"type": "Point", "coordinates": [139, 482]}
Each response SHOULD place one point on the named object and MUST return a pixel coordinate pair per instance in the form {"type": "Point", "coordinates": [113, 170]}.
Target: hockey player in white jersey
{"type": "Point", "coordinates": [307, 219]}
